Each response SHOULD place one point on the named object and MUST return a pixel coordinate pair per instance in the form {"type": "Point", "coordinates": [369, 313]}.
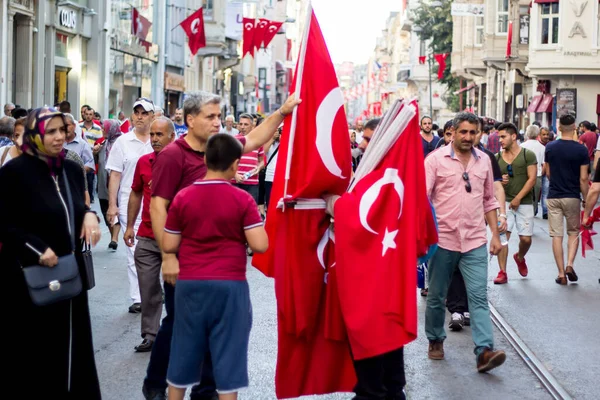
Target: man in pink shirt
{"type": "Point", "coordinates": [460, 185]}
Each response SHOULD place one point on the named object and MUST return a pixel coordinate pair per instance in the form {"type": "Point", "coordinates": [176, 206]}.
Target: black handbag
{"type": "Point", "coordinates": [89, 280]}
{"type": "Point", "coordinates": [48, 285]}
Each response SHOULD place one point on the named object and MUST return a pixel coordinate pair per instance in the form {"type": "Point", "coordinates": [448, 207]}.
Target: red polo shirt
{"type": "Point", "coordinates": [213, 239]}
{"type": "Point", "coordinates": [142, 181]}
{"type": "Point", "coordinates": [177, 166]}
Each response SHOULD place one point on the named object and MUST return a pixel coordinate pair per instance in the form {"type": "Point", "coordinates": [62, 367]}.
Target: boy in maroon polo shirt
{"type": "Point", "coordinates": [212, 299]}
{"type": "Point", "coordinates": [147, 255]}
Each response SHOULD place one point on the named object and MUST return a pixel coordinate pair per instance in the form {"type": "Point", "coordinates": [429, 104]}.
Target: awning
{"type": "Point", "coordinates": [535, 102]}
{"type": "Point", "coordinates": [545, 1]}
{"type": "Point", "coordinates": [465, 89]}
{"type": "Point", "coordinates": [545, 104]}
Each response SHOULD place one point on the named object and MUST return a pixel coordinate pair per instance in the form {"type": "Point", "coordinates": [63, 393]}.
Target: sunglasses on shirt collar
{"type": "Point", "coordinates": [465, 177]}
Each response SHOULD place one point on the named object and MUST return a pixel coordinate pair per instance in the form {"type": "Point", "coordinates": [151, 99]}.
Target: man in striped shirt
{"type": "Point", "coordinates": [251, 163]}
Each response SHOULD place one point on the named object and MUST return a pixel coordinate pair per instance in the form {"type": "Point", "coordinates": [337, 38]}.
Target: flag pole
{"type": "Point", "coordinates": [299, 73]}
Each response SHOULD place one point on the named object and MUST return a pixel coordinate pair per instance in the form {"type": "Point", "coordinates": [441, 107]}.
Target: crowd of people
{"type": "Point", "coordinates": [156, 179]}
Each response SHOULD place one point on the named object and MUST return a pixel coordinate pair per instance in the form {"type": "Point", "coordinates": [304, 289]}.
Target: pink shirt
{"type": "Point", "coordinates": [460, 215]}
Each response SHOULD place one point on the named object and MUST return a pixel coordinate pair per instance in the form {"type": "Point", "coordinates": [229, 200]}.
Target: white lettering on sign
{"type": "Point", "coordinates": [67, 18]}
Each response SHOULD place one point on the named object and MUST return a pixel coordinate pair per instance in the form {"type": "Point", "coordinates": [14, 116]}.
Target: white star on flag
{"type": "Point", "coordinates": [389, 241]}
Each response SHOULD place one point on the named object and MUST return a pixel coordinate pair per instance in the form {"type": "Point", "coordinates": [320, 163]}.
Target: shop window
{"type": "Point", "coordinates": [549, 23]}
{"type": "Point", "coordinates": [208, 9]}
{"type": "Point", "coordinates": [502, 17]}
{"type": "Point", "coordinates": [62, 45]}
{"type": "Point", "coordinates": [479, 31]}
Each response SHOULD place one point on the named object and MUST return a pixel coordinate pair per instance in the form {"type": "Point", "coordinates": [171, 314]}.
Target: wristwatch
{"type": "Point", "coordinates": [502, 216]}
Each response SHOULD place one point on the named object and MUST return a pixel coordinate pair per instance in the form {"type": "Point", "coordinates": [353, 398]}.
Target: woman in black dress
{"type": "Point", "coordinates": [48, 349]}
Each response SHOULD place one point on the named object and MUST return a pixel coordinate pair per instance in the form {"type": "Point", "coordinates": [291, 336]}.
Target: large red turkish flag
{"type": "Point", "coordinates": [313, 353]}
{"type": "Point", "coordinates": [248, 37]}
{"type": "Point", "coordinates": [380, 225]}
{"type": "Point", "coordinates": [194, 29]}
{"type": "Point", "coordinates": [259, 32]}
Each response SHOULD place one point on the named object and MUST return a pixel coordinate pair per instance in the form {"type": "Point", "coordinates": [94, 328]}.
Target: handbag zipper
{"type": "Point", "coordinates": [63, 203]}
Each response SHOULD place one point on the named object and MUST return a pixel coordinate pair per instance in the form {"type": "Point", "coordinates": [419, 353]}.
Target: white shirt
{"type": "Point", "coordinates": [598, 144]}
{"type": "Point", "coordinates": [539, 150]}
{"type": "Point", "coordinates": [8, 156]}
{"type": "Point", "coordinates": [232, 132]}
{"type": "Point", "coordinates": [123, 158]}
{"type": "Point", "coordinates": [270, 172]}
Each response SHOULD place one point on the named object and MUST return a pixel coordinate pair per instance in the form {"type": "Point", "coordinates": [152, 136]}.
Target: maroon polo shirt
{"type": "Point", "coordinates": [176, 167]}
{"type": "Point", "coordinates": [213, 239]}
{"type": "Point", "coordinates": [142, 181]}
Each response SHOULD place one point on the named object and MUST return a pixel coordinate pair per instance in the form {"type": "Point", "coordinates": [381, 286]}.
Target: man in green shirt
{"type": "Point", "coordinates": [519, 174]}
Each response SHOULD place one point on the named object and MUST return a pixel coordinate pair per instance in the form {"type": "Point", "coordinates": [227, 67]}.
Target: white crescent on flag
{"type": "Point", "coordinates": [248, 26]}
{"type": "Point", "coordinates": [370, 196]}
{"type": "Point", "coordinates": [194, 25]}
{"type": "Point", "coordinates": [326, 113]}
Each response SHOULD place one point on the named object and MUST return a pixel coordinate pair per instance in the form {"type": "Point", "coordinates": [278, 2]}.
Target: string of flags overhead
{"type": "Point", "coordinates": [258, 33]}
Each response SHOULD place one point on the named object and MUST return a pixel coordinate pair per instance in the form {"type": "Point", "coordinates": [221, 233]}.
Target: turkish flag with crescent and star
{"type": "Point", "coordinates": [140, 25]}
{"type": "Point", "coordinates": [313, 354]}
{"type": "Point", "coordinates": [259, 33]}
{"type": "Point", "coordinates": [380, 227]}
{"type": "Point", "coordinates": [194, 29]}
{"type": "Point", "coordinates": [270, 32]}
{"type": "Point", "coordinates": [248, 37]}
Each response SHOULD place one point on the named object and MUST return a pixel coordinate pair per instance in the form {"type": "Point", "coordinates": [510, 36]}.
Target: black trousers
{"type": "Point", "coordinates": [261, 187]}
{"type": "Point", "coordinates": [456, 301]}
{"type": "Point", "coordinates": [90, 179]}
{"type": "Point", "coordinates": [381, 377]}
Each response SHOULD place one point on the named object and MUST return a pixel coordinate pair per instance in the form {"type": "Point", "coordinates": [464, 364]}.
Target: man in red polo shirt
{"type": "Point", "coordinates": [176, 168]}
{"type": "Point", "coordinates": [147, 256]}
{"type": "Point", "coordinates": [251, 162]}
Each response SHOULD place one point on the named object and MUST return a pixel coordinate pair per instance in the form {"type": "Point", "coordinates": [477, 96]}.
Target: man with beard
{"type": "Point", "coordinates": [428, 139]}
{"type": "Point", "coordinates": [180, 128]}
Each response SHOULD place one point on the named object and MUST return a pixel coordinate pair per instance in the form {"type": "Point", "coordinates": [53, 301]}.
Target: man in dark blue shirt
{"type": "Point", "coordinates": [566, 164]}
{"type": "Point", "coordinates": [428, 139]}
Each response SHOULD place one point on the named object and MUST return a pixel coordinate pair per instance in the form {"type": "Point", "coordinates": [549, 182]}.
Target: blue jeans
{"type": "Point", "coordinates": [156, 374]}
{"type": "Point", "coordinates": [473, 265]}
{"type": "Point", "coordinates": [545, 189]}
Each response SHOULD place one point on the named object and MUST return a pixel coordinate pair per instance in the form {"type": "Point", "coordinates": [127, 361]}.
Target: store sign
{"type": "Point", "coordinates": [467, 10]}
{"type": "Point", "coordinates": [67, 18]}
{"type": "Point", "coordinates": [174, 82]}
{"type": "Point", "coordinates": [566, 102]}
{"type": "Point", "coordinates": [233, 21]}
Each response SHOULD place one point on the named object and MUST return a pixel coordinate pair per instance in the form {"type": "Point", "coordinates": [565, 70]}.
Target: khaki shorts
{"type": "Point", "coordinates": [560, 209]}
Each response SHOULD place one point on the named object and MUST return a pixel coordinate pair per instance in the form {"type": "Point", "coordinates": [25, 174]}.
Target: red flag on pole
{"type": "Point", "coordinates": [314, 159]}
{"type": "Point", "coordinates": [509, 40]}
{"type": "Point", "coordinates": [422, 59]}
{"type": "Point", "coordinates": [248, 37]}
{"type": "Point", "coordinates": [259, 32]}
{"type": "Point", "coordinates": [194, 29]}
{"type": "Point", "coordinates": [441, 59]}
{"type": "Point", "coordinates": [271, 31]}
{"type": "Point", "coordinates": [140, 25]}
{"type": "Point", "coordinates": [386, 220]}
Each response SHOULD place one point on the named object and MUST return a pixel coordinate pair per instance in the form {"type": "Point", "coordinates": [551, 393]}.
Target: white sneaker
{"type": "Point", "coordinates": [456, 322]}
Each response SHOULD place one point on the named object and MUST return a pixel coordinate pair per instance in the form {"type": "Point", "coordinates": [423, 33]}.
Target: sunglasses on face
{"type": "Point", "coordinates": [465, 177]}
{"type": "Point", "coordinates": [510, 170]}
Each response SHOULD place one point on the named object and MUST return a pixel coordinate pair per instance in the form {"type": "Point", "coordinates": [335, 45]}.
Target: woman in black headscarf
{"type": "Point", "coordinates": [48, 350]}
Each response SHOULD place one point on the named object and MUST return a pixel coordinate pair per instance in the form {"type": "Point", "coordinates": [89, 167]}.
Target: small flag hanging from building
{"type": "Point", "coordinates": [194, 29]}
{"type": "Point", "coordinates": [441, 59]}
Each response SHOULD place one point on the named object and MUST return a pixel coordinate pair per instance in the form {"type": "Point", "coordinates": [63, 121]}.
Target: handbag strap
{"type": "Point", "coordinates": [70, 208]}
{"type": "Point", "coordinates": [272, 156]}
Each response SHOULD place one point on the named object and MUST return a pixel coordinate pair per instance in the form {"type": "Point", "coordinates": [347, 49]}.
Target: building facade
{"type": "Point", "coordinates": [54, 51]}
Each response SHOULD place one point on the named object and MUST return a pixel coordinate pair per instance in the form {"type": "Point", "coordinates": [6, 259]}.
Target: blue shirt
{"type": "Point", "coordinates": [180, 130]}
{"type": "Point", "coordinates": [428, 147]}
{"type": "Point", "coordinates": [83, 150]}
{"type": "Point", "coordinates": [565, 158]}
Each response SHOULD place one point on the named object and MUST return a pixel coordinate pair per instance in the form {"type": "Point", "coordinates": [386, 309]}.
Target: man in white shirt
{"type": "Point", "coordinates": [228, 128]}
{"type": "Point", "coordinates": [539, 149]}
{"type": "Point", "coordinates": [121, 164]}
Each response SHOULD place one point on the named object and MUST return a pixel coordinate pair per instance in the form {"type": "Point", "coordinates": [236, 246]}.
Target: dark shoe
{"type": "Point", "coordinates": [436, 350]}
{"type": "Point", "coordinates": [424, 292]}
{"type": "Point", "coordinates": [145, 346]}
{"type": "Point", "coordinates": [561, 280]}
{"type": "Point", "coordinates": [457, 322]}
{"type": "Point", "coordinates": [467, 317]}
{"type": "Point", "coordinates": [490, 359]}
{"type": "Point", "coordinates": [545, 216]}
{"type": "Point", "coordinates": [113, 245]}
{"type": "Point", "coordinates": [570, 272]}
{"type": "Point", "coordinates": [135, 308]}
{"type": "Point", "coordinates": [153, 394]}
